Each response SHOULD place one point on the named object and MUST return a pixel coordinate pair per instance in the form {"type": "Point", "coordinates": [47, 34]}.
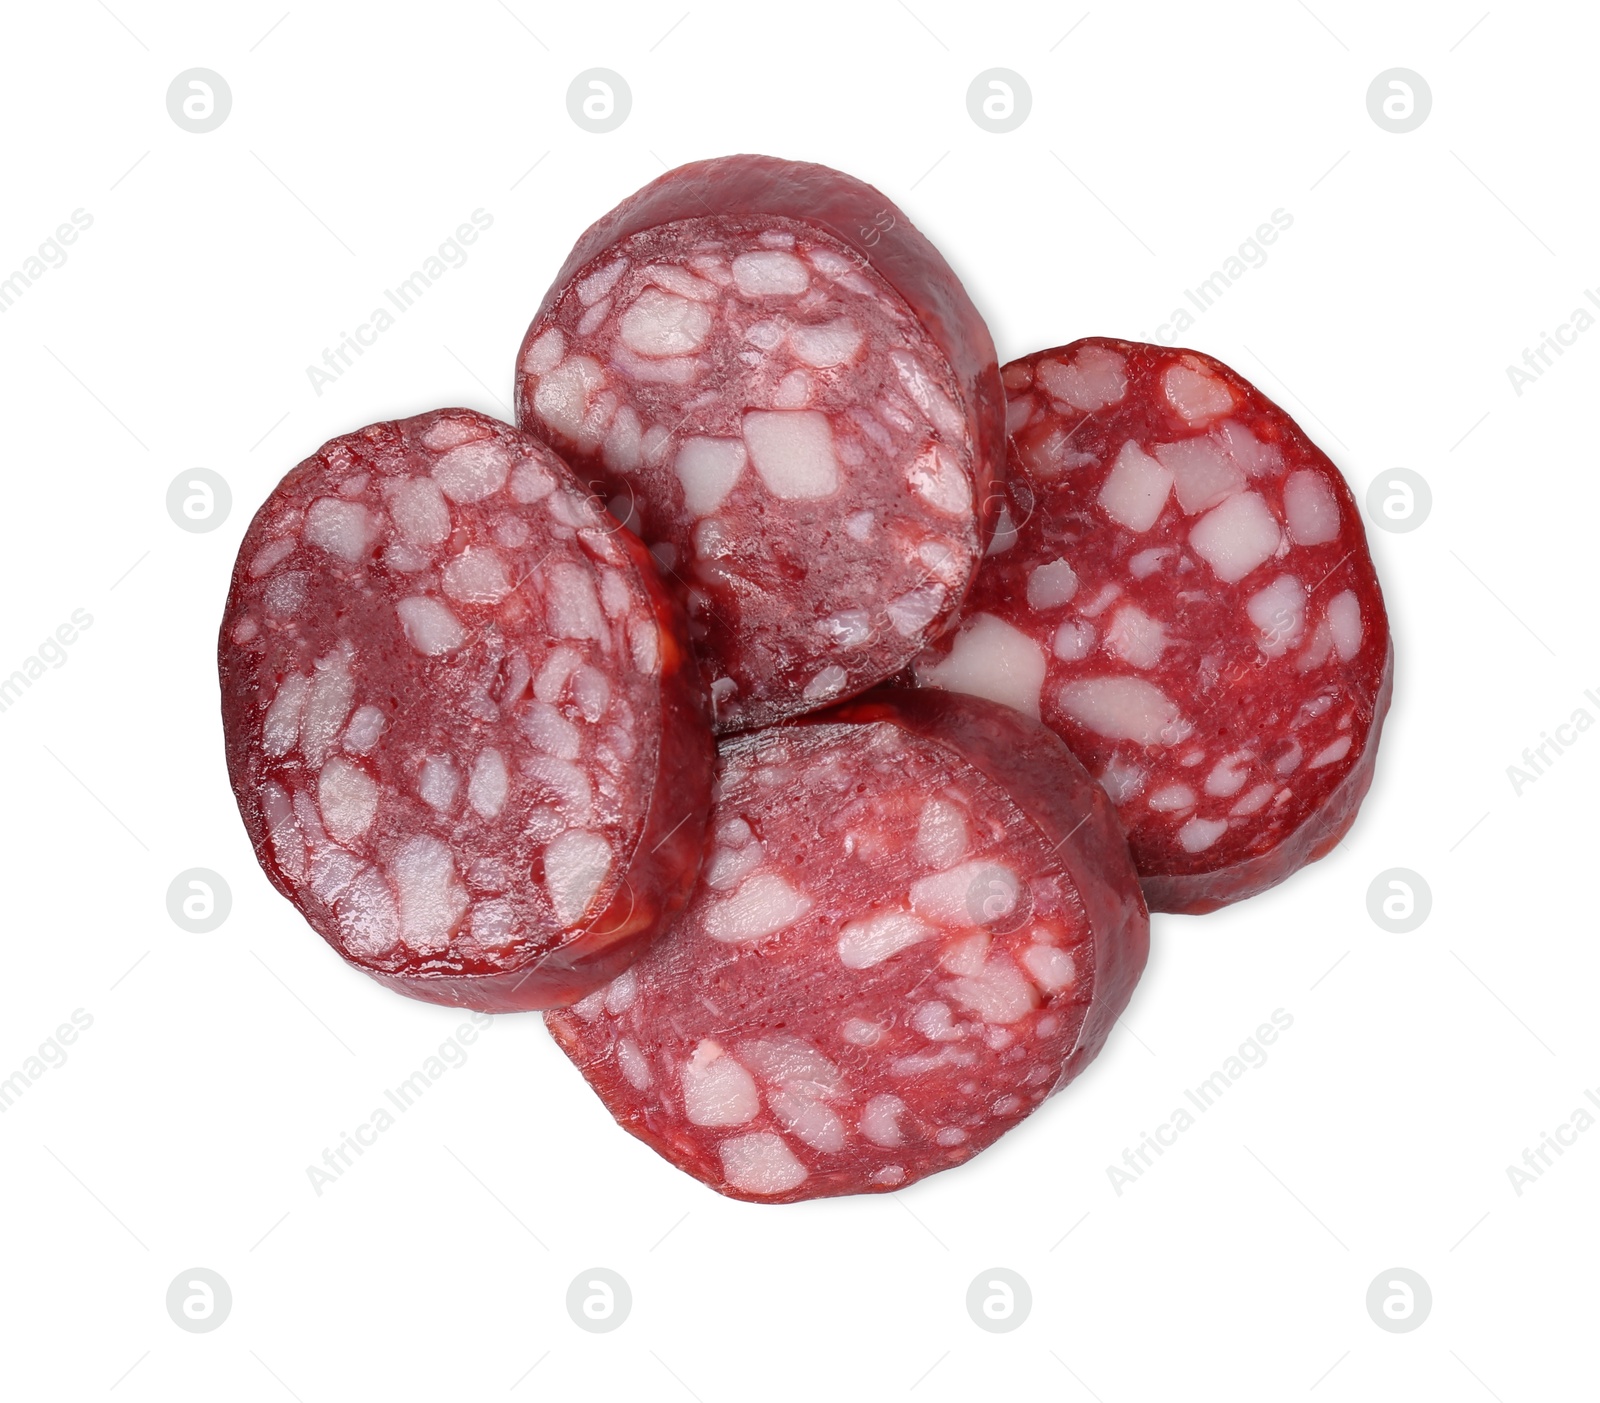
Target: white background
{"type": "Point", "coordinates": [220, 1066]}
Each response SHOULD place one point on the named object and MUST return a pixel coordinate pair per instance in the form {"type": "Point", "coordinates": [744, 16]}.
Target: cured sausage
{"type": "Point", "coordinates": [782, 386]}
{"type": "Point", "coordinates": [918, 918]}
{"type": "Point", "coordinates": [1182, 590]}
{"type": "Point", "coordinates": [462, 724]}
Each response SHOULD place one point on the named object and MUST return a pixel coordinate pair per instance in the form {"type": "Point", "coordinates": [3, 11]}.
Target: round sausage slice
{"type": "Point", "coordinates": [462, 725]}
{"type": "Point", "coordinates": [1182, 590]}
{"type": "Point", "coordinates": [917, 920]}
{"type": "Point", "coordinates": [784, 388]}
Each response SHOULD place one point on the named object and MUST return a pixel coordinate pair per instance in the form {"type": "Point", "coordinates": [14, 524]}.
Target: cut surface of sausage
{"type": "Point", "coordinates": [917, 919]}
{"type": "Point", "coordinates": [462, 725]}
{"type": "Point", "coordinates": [782, 386]}
{"type": "Point", "coordinates": [1181, 589]}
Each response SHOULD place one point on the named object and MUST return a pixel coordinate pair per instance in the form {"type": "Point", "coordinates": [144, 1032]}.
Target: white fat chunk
{"type": "Point", "coordinates": [438, 782]}
{"type": "Point", "coordinates": [727, 867]}
{"type": "Point", "coordinates": [1344, 621]}
{"type": "Point", "coordinates": [941, 834]}
{"type": "Point", "coordinates": [549, 731]}
{"type": "Point", "coordinates": [476, 576]}
{"type": "Point", "coordinates": [989, 658]}
{"type": "Point", "coordinates": [473, 471]}
{"type": "Point", "coordinates": [1198, 834]}
{"type": "Point", "coordinates": [762, 905]}
{"type": "Point", "coordinates": [281, 728]}
{"type": "Point", "coordinates": [1237, 536]}
{"type": "Point", "coordinates": [644, 644]}
{"type": "Point", "coordinates": [592, 692]}
{"type": "Point", "coordinates": [1310, 509]}
{"type": "Point", "coordinates": [364, 729]}
{"type": "Point", "coordinates": [1074, 641]}
{"type": "Point", "coordinates": [576, 863]}
{"type": "Point", "coordinates": [558, 667]}
{"type": "Point", "coordinates": [827, 683]}
{"type": "Point", "coordinates": [568, 785]}
{"type": "Point", "coordinates": [808, 1121]}
{"type": "Point", "coordinates": [1136, 489]}
{"type": "Point", "coordinates": [793, 452]}
{"type": "Point", "coordinates": [432, 900]}
{"type": "Point", "coordinates": [1229, 775]}
{"type": "Point", "coordinates": [832, 343]}
{"type": "Point", "coordinates": [571, 604]}
{"type": "Point", "coordinates": [1135, 637]}
{"type": "Point", "coordinates": [273, 554]}
{"type": "Point", "coordinates": [858, 526]}
{"type": "Point", "coordinates": [859, 1032]}
{"type": "Point", "coordinates": [770, 274]}
{"type": "Point", "coordinates": [332, 690]}
{"type": "Point", "coordinates": [681, 281]}
{"type": "Point", "coordinates": [717, 1090]}
{"type": "Point", "coordinates": [1052, 969]}
{"type": "Point", "coordinates": [1147, 562]}
{"type": "Point", "coordinates": [634, 1065]}
{"type": "Point", "coordinates": [621, 450]}
{"type": "Point", "coordinates": [343, 529]}
{"type": "Point", "coordinates": [1279, 612]}
{"type": "Point", "coordinates": [530, 482]}
{"type": "Point", "coordinates": [494, 923]}
{"type": "Point", "coordinates": [935, 1022]}
{"type": "Point", "coordinates": [420, 511]}
{"type": "Point", "coordinates": [369, 920]}
{"type": "Point", "coordinates": [793, 391]}
{"type": "Point", "coordinates": [1334, 750]}
{"type": "Point", "coordinates": [599, 283]}
{"type": "Point", "coordinates": [348, 799]}
{"type": "Point", "coordinates": [1096, 377]}
{"type": "Point", "coordinates": [981, 890]}
{"type": "Point", "coordinates": [998, 993]}
{"type": "Point", "coordinates": [429, 625]}
{"type": "Point", "coordinates": [562, 397]}
{"type": "Point", "coordinates": [488, 783]}
{"type": "Point", "coordinates": [1121, 779]}
{"type": "Point", "coordinates": [708, 468]}
{"type": "Point", "coordinates": [622, 992]}
{"type": "Point", "coordinates": [928, 397]}
{"type": "Point", "coordinates": [879, 1121]}
{"type": "Point", "coordinates": [544, 355]}
{"type": "Point", "coordinates": [913, 611]}
{"type": "Point", "coordinates": [761, 1163]}
{"type": "Point", "coordinates": [283, 829]}
{"type": "Point", "coordinates": [1198, 397]}
{"type": "Point", "coordinates": [792, 1062]}
{"type": "Point", "coordinates": [1051, 584]}
{"type": "Point", "coordinates": [1125, 708]}
{"type": "Point", "coordinates": [937, 478]}
{"type": "Point", "coordinates": [1258, 459]}
{"type": "Point", "coordinates": [869, 942]}
{"type": "Point", "coordinates": [662, 324]}
{"type": "Point", "coordinates": [849, 628]}
{"type": "Point", "coordinates": [1255, 800]}
{"type": "Point", "coordinates": [1171, 798]}
{"type": "Point", "coordinates": [1202, 474]}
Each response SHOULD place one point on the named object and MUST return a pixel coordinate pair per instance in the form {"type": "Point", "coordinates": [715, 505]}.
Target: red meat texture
{"type": "Point", "coordinates": [462, 724]}
{"type": "Point", "coordinates": [917, 920]}
{"type": "Point", "coordinates": [1181, 589]}
{"type": "Point", "coordinates": [781, 385]}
